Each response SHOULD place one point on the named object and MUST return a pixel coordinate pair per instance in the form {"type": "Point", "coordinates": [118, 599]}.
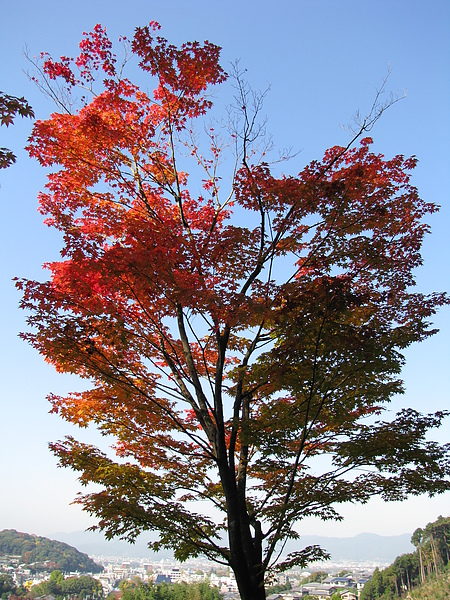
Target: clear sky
{"type": "Point", "coordinates": [324, 61]}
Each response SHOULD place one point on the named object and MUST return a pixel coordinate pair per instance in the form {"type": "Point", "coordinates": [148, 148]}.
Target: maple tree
{"type": "Point", "coordinates": [10, 106]}
{"type": "Point", "coordinates": [241, 342]}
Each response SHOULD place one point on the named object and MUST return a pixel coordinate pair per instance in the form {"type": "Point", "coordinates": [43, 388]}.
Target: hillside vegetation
{"type": "Point", "coordinates": [81, 588]}
{"type": "Point", "coordinates": [164, 591]}
{"type": "Point", "coordinates": [437, 588]}
{"type": "Point", "coordinates": [423, 574]}
{"type": "Point", "coordinates": [40, 552]}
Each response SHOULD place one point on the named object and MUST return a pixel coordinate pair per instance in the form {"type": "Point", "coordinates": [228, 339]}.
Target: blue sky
{"type": "Point", "coordinates": [324, 60]}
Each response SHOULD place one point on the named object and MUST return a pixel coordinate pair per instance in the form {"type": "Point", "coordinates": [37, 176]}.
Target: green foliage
{"type": "Point", "coordinates": [75, 587]}
{"type": "Point", "coordinates": [412, 571]}
{"type": "Point", "coordinates": [382, 585]}
{"type": "Point", "coordinates": [315, 576]}
{"type": "Point", "coordinates": [172, 591]}
{"type": "Point", "coordinates": [7, 585]}
{"type": "Point", "coordinates": [437, 588]}
{"type": "Point", "coordinates": [280, 587]}
{"type": "Point", "coordinates": [35, 551]}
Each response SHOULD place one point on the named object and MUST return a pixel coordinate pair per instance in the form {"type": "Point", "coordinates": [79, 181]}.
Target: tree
{"type": "Point", "coordinates": [241, 343]}
{"type": "Point", "coordinates": [10, 106]}
{"type": "Point", "coordinates": [417, 541]}
{"type": "Point", "coordinates": [407, 573]}
{"type": "Point", "coordinates": [7, 585]}
{"type": "Point", "coordinates": [55, 583]}
{"type": "Point", "coordinates": [432, 544]}
{"type": "Point", "coordinates": [441, 529]}
{"type": "Point", "coordinates": [176, 591]}
{"type": "Point", "coordinates": [72, 587]}
{"type": "Point", "coordinates": [316, 576]}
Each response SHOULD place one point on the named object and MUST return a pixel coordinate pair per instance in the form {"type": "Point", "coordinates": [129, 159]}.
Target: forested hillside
{"type": "Point", "coordinates": [437, 588]}
{"type": "Point", "coordinates": [420, 574]}
{"type": "Point", "coordinates": [36, 551]}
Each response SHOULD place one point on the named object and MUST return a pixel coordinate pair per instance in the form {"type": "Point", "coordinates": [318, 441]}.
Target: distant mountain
{"type": "Point", "coordinates": [40, 552]}
{"type": "Point", "coordinates": [95, 544]}
{"type": "Point", "coordinates": [365, 547]}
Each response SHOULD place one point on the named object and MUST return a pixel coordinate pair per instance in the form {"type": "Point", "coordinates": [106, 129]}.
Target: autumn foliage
{"type": "Point", "coordinates": [242, 335]}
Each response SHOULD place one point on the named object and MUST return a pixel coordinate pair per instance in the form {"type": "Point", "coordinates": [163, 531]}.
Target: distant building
{"type": "Point", "coordinates": [361, 582]}
{"type": "Point", "coordinates": [341, 582]}
{"type": "Point", "coordinates": [175, 574]}
{"type": "Point", "coordinates": [321, 591]}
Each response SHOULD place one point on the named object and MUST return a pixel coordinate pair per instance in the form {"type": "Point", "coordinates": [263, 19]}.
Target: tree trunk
{"type": "Point", "coordinates": [245, 549]}
{"type": "Point", "coordinates": [249, 589]}
{"type": "Point", "coordinates": [246, 555]}
{"type": "Point", "coordinates": [433, 551]}
{"type": "Point", "coordinates": [422, 570]}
